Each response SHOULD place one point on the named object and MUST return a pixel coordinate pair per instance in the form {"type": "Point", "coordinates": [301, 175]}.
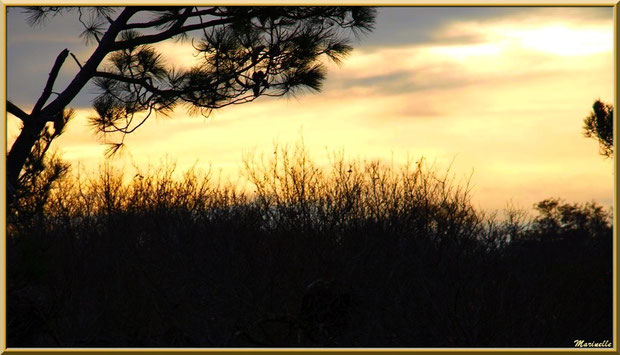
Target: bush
{"type": "Point", "coordinates": [361, 254]}
{"type": "Point", "coordinates": [565, 220]}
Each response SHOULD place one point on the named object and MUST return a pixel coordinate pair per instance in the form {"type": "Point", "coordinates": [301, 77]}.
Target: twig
{"type": "Point", "coordinates": [76, 60]}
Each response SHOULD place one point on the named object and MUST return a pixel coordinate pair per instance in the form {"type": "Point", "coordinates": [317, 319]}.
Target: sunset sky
{"type": "Point", "coordinates": [500, 92]}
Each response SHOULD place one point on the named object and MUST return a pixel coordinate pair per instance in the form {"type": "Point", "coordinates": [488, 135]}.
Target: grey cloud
{"type": "Point", "coordinates": [410, 25]}
{"type": "Point", "coordinates": [27, 71]}
{"type": "Point", "coordinates": [403, 81]}
{"type": "Point", "coordinates": [376, 80]}
{"type": "Point", "coordinates": [419, 25]}
{"type": "Point", "coordinates": [449, 76]}
{"type": "Point", "coordinates": [31, 51]}
{"type": "Point", "coordinates": [64, 28]}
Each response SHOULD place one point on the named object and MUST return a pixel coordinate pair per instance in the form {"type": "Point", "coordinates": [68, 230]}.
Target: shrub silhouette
{"type": "Point", "coordinates": [599, 125]}
{"type": "Point", "coordinates": [571, 220]}
{"type": "Point", "coordinates": [362, 254]}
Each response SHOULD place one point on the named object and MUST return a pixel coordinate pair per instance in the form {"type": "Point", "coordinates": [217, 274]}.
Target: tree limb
{"type": "Point", "coordinates": [16, 111]}
{"type": "Point", "coordinates": [173, 31]}
{"type": "Point", "coordinates": [162, 21]}
{"type": "Point", "coordinates": [47, 91]}
{"type": "Point", "coordinates": [76, 60]}
{"type": "Point", "coordinates": [85, 74]}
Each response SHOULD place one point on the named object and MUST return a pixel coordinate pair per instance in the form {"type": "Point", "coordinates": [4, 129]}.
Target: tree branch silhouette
{"type": "Point", "coordinates": [16, 111]}
{"type": "Point", "coordinates": [245, 53]}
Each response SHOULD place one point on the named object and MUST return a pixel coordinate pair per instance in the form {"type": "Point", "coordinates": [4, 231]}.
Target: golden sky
{"type": "Point", "coordinates": [500, 94]}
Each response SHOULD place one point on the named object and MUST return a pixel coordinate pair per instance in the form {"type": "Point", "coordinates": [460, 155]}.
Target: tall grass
{"type": "Point", "coordinates": [362, 254]}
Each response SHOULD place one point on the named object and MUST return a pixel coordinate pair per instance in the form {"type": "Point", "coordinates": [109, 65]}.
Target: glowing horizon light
{"type": "Point", "coordinates": [559, 39]}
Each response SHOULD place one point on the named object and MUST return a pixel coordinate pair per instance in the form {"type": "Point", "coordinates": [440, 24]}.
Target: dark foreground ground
{"type": "Point", "coordinates": [364, 257]}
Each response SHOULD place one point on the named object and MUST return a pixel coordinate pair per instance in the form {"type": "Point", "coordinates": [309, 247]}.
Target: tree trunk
{"type": "Point", "coordinates": [19, 152]}
{"type": "Point", "coordinates": [35, 123]}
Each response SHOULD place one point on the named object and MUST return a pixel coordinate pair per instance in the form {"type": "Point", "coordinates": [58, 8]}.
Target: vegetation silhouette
{"type": "Point", "coordinates": [600, 126]}
{"type": "Point", "coordinates": [363, 254]}
{"type": "Point", "coordinates": [245, 52]}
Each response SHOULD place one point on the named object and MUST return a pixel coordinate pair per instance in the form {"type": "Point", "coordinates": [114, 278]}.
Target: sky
{"type": "Point", "coordinates": [497, 95]}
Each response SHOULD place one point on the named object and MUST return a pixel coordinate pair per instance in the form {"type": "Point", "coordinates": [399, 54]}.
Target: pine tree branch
{"type": "Point", "coordinates": [142, 82]}
{"type": "Point", "coordinates": [90, 67]}
{"type": "Point", "coordinates": [173, 31]}
{"type": "Point", "coordinates": [162, 21]}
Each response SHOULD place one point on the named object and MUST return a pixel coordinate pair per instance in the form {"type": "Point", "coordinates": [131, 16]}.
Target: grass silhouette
{"type": "Point", "coordinates": [363, 254]}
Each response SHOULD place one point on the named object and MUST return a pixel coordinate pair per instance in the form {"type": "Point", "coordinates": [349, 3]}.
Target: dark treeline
{"type": "Point", "coordinates": [362, 255]}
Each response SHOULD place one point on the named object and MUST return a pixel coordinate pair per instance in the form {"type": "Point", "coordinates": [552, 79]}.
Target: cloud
{"type": "Point", "coordinates": [563, 37]}
{"type": "Point", "coordinates": [507, 51]}
{"type": "Point", "coordinates": [178, 54]}
{"type": "Point", "coordinates": [31, 52]}
{"type": "Point", "coordinates": [497, 90]}
{"type": "Point", "coordinates": [398, 26]}
{"type": "Point", "coordinates": [27, 72]}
